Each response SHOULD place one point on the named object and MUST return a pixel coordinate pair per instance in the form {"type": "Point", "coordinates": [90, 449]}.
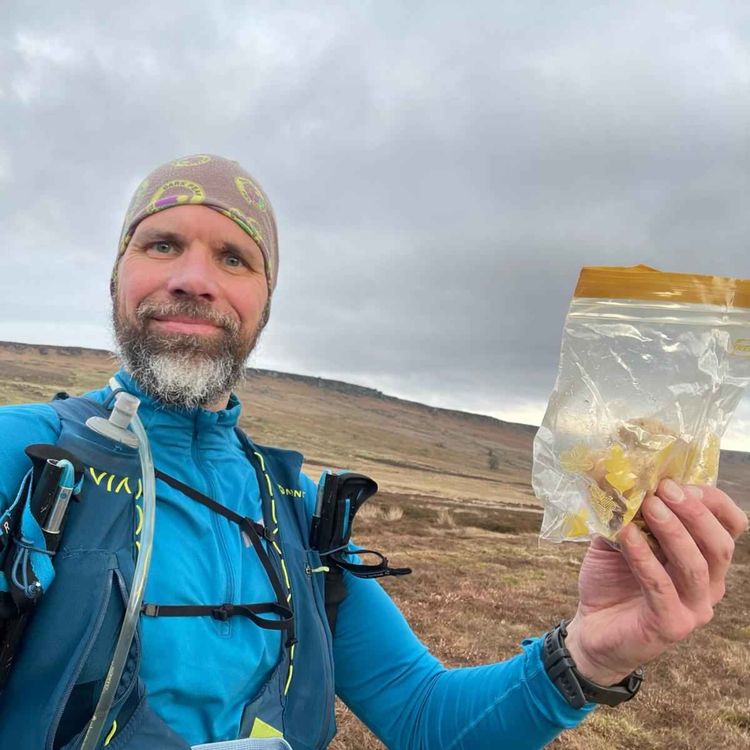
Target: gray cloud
{"type": "Point", "coordinates": [440, 172]}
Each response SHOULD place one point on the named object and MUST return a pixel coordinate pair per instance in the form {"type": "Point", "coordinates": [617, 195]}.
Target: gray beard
{"type": "Point", "coordinates": [182, 370]}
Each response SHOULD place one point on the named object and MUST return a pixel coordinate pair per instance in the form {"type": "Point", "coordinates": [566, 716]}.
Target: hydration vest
{"type": "Point", "coordinates": [63, 659]}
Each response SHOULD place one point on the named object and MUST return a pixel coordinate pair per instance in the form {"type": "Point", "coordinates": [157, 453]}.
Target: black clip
{"type": "Point", "coordinates": [247, 525]}
{"type": "Point", "coordinates": [223, 613]}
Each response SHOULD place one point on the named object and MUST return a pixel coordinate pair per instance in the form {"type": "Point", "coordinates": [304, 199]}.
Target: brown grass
{"type": "Point", "coordinates": [477, 592]}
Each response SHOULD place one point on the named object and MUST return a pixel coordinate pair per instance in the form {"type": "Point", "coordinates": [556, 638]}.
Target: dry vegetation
{"type": "Point", "coordinates": [455, 504]}
{"type": "Point", "coordinates": [481, 584]}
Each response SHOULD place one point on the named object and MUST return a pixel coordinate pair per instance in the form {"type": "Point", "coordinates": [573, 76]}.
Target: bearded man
{"type": "Point", "coordinates": [216, 656]}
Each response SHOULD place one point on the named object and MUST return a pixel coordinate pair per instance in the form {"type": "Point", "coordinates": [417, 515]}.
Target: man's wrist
{"type": "Point", "coordinates": [586, 666]}
{"type": "Point", "coordinates": [574, 686]}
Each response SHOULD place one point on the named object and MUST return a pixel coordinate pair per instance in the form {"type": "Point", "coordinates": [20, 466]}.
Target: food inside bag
{"type": "Point", "coordinates": [652, 367]}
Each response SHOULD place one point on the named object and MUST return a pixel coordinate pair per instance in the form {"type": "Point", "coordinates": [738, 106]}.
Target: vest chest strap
{"type": "Point", "coordinates": [278, 614]}
{"type": "Point", "coordinates": [223, 612]}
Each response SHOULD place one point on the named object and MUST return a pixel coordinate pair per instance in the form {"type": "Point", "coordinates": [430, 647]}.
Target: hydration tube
{"type": "Point", "coordinates": [133, 609]}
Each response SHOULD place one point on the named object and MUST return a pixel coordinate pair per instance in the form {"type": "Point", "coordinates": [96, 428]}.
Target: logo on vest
{"type": "Point", "coordinates": [291, 493]}
{"type": "Point", "coordinates": [116, 484]}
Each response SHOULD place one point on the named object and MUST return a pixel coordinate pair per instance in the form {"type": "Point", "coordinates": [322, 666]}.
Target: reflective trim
{"type": "Point", "coordinates": [111, 734]}
{"type": "Point", "coordinates": [291, 670]}
{"type": "Point", "coordinates": [280, 553]}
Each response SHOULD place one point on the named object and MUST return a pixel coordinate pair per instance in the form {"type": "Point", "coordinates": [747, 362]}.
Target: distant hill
{"type": "Point", "coordinates": [420, 452]}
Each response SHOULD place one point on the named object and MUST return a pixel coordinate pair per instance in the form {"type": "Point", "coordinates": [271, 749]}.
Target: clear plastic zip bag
{"type": "Point", "coordinates": [652, 367]}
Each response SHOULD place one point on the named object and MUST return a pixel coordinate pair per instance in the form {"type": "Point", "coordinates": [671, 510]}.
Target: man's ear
{"type": "Point", "coordinates": [113, 280]}
{"type": "Point", "coordinates": [266, 313]}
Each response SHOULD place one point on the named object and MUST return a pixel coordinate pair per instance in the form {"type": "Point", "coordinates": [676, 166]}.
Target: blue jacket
{"type": "Point", "coordinates": [200, 673]}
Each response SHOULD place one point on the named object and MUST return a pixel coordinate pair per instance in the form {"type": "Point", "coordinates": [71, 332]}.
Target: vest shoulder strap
{"type": "Point", "coordinates": [77, 408]}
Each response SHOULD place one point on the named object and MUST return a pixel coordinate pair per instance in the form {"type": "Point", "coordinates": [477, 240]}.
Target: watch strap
{"type": "Point", "coordinates": [574, 687]}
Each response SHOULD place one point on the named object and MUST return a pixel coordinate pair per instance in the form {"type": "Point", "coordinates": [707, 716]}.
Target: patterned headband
{"type": "Point", "coordinates": [221, 184]}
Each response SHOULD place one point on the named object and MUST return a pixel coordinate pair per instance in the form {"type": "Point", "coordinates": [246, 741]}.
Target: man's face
{"type": "Point", "coordinates": [188, 305]}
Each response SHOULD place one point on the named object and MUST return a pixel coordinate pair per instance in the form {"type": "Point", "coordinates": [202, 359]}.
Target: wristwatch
{"type": "Point", "coordinates": [575, 688]}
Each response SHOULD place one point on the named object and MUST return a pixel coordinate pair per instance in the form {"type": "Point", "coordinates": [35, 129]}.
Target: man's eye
{"type": "Point", "coordinates": [233, 261]}
{"type": "Point", "coordinates": [162, 248]}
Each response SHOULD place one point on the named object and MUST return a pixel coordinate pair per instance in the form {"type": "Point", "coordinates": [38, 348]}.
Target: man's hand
{"type": "Point", "coordinates": [633, 606]}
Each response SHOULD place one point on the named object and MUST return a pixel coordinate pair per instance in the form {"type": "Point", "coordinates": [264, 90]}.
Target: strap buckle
{"type": "Point", "coordinates": [260, 529]}
{"type": "Point", "coordinates": [266, 533]}
{"type": "Point", "coordinates": [223, 613]}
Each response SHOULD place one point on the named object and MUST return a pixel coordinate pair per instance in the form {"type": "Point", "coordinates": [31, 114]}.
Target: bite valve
{"type": "Point", "coordinates": [116, 427]}
{"type": "Point", "coordinates": [126, 405]}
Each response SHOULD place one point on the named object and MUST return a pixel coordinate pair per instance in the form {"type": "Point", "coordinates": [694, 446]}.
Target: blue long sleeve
{"type": "Point", "coordinates": [21, 426]}
{"type": "Point", "coordinates": [411, 702]}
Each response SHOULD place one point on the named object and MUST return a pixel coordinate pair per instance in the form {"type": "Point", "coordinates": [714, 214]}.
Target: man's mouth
{"type": "Point", "coordinates": [183, 324]}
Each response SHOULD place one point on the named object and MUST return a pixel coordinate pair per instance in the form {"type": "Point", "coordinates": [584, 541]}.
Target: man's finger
{"type": "Point", "coordinates": [658, 588]}
{"type": "Point", "coordinates": [712, 539]}
{"type": "Point", "coordinates": [686, 564]}
{"type": "Point", "coordinates": [728, 513]}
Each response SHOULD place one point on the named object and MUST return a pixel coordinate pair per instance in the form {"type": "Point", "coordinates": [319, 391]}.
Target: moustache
{"type": "Point", "coordinates": [188, 309]}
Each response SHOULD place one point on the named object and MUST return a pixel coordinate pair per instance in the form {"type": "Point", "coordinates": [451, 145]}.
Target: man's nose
{"type": "Point", "coordinates": [193, 273]}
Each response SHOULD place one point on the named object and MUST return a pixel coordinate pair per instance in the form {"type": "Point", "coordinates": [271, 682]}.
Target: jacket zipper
{"type": "Point", "coordinates": [226, 626]}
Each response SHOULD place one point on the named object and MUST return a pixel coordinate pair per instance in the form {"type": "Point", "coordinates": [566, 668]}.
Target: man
{"type": "Point", "coordinates": [191, 290]}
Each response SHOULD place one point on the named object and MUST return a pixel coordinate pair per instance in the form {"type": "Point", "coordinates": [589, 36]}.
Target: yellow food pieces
{"type": "Point", "coordinates": [633, 499]}
{"type": "Point", "coordinates": [576, 526]}
{"type": "Point", "coordinates": [704, 466]}
{"type": "Point", "coordinates": [578, 460]}
{"type": "Point", "coordinates": [642, 453]}
{"type": "Point", "coordinates": [603, 504]}
{"type": "Point", "coordinates": [618, 473]}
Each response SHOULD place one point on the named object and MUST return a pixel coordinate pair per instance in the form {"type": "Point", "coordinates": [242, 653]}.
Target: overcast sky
{"type": "Point", "coordinates": [440, 170]}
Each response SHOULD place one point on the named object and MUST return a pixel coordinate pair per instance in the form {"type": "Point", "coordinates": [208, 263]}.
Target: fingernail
{"type": "Point", "coordinates": [658, 510]}
{"type": "Point", "coordinates": [673, 491]}
{"type": "Point", "coordinates": [693, 492]}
